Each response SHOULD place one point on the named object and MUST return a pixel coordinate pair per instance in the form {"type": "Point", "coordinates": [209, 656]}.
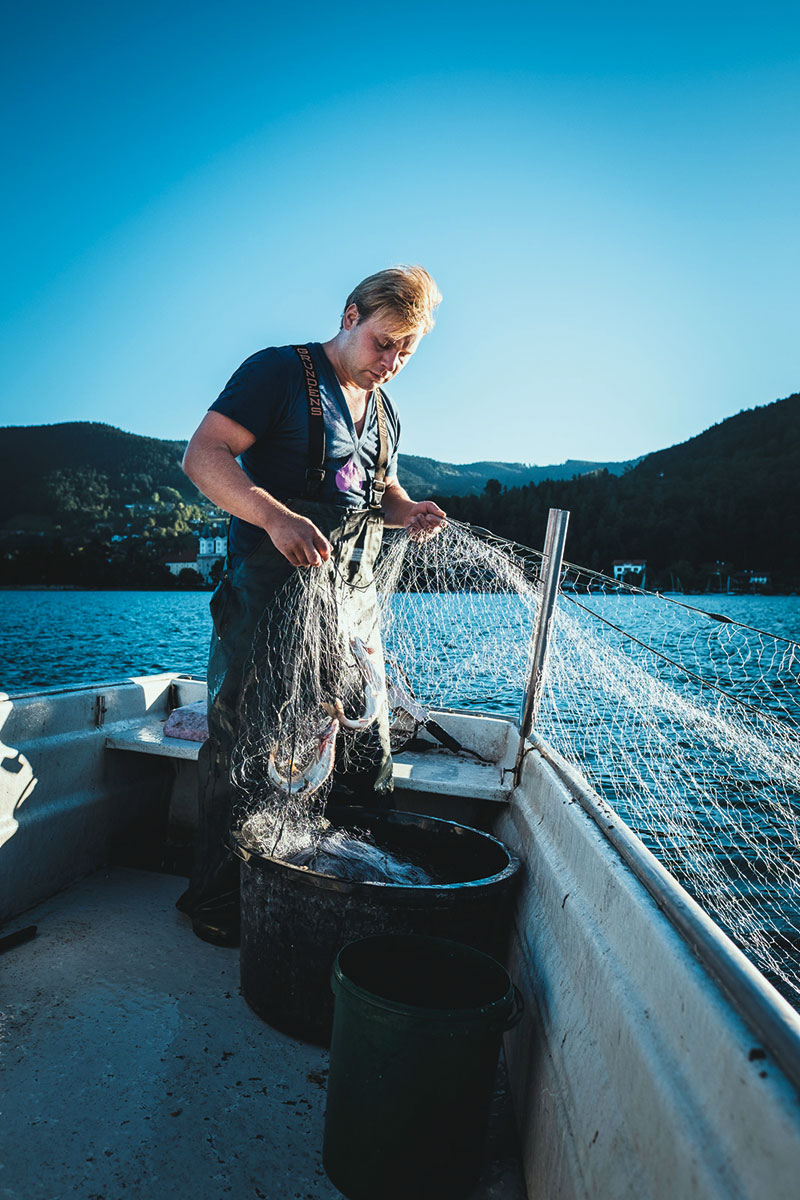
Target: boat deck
{"type": "Point", "coordinates": [134, 1068]}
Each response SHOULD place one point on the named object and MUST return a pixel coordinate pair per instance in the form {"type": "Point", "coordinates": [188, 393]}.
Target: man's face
{"type": "Point", "coordinates": [374, 351]}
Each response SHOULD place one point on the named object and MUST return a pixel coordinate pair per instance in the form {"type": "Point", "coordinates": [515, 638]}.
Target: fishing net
{"type": "Point", "coordinates": [686, 722]}
{"type": "Point", "coordinates": [302, 664]}
{"type": "Point", "coordinates": [457, 612]}
{"type": "Point", "coordinates": [445, 621]}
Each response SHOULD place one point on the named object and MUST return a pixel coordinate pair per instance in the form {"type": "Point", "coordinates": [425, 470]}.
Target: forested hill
{"type": "Point", "coordinates": [47, 470]}
{"type": "Point", "coordinates": [752, 442]}
{"type": "Point", "coordinates": [730, 495]}
{"type": "Point", "coordinates": [423, 476]}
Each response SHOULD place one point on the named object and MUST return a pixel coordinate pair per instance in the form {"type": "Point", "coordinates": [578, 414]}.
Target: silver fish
{"type": "Point", "coordinates": [307, 782]}
{"type": "Point", "coordinates": [374, 690]}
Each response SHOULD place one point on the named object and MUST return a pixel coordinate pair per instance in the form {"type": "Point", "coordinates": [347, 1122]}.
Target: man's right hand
{"type": "Point", "coordinates": [211, 462]}
{"type": "Point", "coordinates": [299, 540]}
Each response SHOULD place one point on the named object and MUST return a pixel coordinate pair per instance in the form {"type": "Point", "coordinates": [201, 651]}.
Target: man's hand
{"type": "Point", "coordinates": [210, 462]}
{"type": "Point", "coordinates": [299, 540]}
{"type": "Point", "coordinates": [424, 520]}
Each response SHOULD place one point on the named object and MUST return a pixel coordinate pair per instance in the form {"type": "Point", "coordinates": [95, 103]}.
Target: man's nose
{"type": "Point", "coordinates": [390, 360]}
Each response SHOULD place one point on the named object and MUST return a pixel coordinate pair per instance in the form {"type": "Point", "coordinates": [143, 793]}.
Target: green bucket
{"type": "Point", "coordinates": [416, 1037]}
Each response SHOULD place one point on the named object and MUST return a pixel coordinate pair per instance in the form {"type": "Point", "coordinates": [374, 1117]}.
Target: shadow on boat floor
{"type": "Point", "coordinates": [134, 1068]}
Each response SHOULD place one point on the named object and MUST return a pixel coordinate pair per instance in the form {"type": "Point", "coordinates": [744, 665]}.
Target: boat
{"type": "Point", "coordinates": [652, 1059]}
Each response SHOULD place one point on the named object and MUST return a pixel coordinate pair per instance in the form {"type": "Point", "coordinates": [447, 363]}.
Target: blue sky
{"type": "Point", "coordinates": [607, 196]}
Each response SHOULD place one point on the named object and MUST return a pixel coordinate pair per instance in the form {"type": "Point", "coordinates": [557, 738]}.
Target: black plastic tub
{"type": "Point", "coordinates": [295, 920]}
{"type": "Point", "coordinates": [416, 1037]}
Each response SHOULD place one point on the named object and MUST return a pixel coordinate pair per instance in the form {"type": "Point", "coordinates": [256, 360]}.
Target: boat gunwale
{"type": "Point", "coordinates": [769, 1016]}
{"type": "Point", "coordinates": [70, 689]}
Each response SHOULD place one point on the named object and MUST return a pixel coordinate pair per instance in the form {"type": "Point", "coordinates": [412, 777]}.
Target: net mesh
{"type": "Point", "coordinates": [688, 725]}
{"type": "Point", "coordinates": [302, 662]}
{"type": "Point", "coordinates": [456, 616]}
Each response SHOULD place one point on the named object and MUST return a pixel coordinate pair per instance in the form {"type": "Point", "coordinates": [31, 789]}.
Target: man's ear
{"type": "Point", "coordinates": [350, 317]}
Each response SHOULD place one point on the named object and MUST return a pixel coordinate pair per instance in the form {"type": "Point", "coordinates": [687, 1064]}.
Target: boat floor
{"type": "Point", "coordinates": [133, 1067]}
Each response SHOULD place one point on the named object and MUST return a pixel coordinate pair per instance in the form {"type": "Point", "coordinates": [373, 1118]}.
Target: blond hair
{"type": "Point", "coordinates": [409, 293]}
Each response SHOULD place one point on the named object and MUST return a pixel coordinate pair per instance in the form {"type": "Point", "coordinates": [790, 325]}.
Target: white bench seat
{"type": "Point", "coordinates": [436, 770]}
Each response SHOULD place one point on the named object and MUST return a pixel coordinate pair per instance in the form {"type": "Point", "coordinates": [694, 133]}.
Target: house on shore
{"type": "Point", "coordinates": [631, 570]}
{"type": "Point", "coordinates": [211, 549]}
{"type": "Point", "coordinates": [181, 562]}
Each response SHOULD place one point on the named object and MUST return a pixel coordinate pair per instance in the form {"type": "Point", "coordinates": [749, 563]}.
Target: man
{"type": "Point", "coordinates": [301, 449]}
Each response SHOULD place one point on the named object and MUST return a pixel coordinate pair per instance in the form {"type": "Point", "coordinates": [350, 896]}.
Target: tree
{"type": "Point", "coordinates": [189, 578]}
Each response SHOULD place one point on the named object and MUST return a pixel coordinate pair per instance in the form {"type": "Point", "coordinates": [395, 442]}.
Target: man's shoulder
{"type": "Point", "coordinates": [266, 381]}
{"type": "Point", "coordinates": [274, 370]}
{"type": "Point", "coordinates": [276, 358]}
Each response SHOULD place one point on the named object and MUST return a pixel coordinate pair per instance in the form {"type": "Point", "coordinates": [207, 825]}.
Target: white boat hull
{"type": "Point", "coordinates": [632, 1074]}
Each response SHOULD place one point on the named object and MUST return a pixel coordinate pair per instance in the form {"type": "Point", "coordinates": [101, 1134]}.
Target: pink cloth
{"type": "Point", "coordinates": [350, 477]}
{"type": "Point", "coordinates": [189, 722]}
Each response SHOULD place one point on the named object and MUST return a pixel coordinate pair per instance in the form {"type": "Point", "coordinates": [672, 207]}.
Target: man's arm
{"type": "Point", "coordinates": [210, 462]}
{"type": "Point", "coordinates": [421, 518]}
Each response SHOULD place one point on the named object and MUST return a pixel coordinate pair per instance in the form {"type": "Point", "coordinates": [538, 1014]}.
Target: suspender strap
{"type": "Point", "coordinates": [379, 478]}
{"type": "Point", "coordinates": [315, 472]}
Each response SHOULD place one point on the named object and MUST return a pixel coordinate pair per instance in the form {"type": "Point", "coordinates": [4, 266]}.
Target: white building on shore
{"type": "Point", "coordinates": [213, 548]}
{"type": "Point", "coordinates": [213, 545]}
{"type": "Point", "coordinates": [181, 562]}
{"type": "Point", "coordinates": [631, 570]}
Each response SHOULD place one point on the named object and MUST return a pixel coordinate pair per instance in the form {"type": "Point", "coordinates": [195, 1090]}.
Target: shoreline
{"type": "Point", "coordinates": [76, 587]}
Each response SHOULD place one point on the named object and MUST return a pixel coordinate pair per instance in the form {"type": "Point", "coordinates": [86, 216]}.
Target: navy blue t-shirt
{"type": "Point", "coordinates": [267, 396]}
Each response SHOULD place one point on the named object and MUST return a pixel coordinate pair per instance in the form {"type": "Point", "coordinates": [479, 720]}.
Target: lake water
{"type": "Point", "coordinates": [59, 639]}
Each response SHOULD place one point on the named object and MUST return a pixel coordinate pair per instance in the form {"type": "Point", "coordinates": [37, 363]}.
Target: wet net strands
{"type": "Point", "coordinates": [457, 612]}
{"type": "Point", "coordinates": [686, 722]}
{"type": "Point", "coordinates": [688, 725]}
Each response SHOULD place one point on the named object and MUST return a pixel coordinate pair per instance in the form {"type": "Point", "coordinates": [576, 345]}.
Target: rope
{"type": "Point", "coordinates": [760, 712]}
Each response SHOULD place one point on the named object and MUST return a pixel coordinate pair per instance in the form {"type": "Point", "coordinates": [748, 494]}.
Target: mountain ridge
{"type": "Point", "coordinates": [728, 495]}
{"type": "Point", "coordinates": [64, 446]}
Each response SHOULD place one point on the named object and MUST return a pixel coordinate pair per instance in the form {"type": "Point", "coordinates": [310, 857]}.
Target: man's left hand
{"type": "Point", "coordinates": [425, 519]}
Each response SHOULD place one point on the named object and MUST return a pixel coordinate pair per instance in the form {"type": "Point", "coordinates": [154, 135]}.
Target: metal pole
{"type": "Point", "coordinates": [555, 537]}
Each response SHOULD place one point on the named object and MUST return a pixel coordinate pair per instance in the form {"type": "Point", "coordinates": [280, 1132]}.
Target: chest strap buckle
{"type": "Point", "coordinates": [377, 489]}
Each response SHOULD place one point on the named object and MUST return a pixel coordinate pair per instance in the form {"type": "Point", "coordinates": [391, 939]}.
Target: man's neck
{"type": "Point", "coordinates": [350, 389]}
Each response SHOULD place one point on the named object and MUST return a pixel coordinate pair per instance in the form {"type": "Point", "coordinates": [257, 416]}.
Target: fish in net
{"type": "Point", "coordinates": [352, 854]}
